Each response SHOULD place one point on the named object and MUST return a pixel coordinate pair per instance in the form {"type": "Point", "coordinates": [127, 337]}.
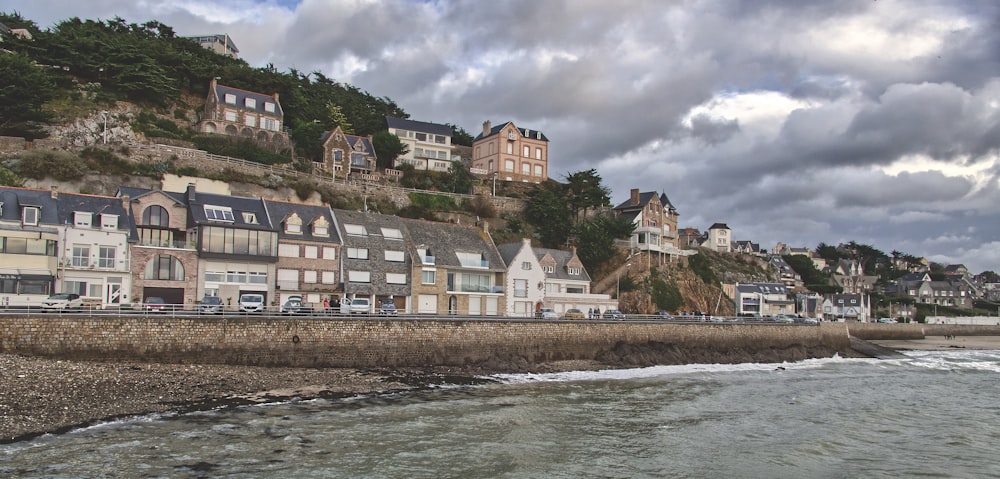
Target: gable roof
{"type": "Point", "coordinates": [718, 226]}
{"type": "Point", "coordinates": [239, 205]}
{"type": "Point", "coordinates": [444, 240]}
{"type": "Point", "coordinates": [525, 132]}
{"type": "Point", "coordinates": [562, 259]}
{"type": "Point", "coordinates": [644, 199]}
{"type": "Point", "coordinates": [13, 199]}
{"type": "Point", "coordinates": [421, 126]}
{"type": "Point", "coordinates": [70, 203]}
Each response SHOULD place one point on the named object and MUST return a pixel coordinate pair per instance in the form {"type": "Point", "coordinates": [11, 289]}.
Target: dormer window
{"type": "Point", "coordinates": [548, 269]}
{"type": "Point", "coordinates": [230, 98]}
{"type": "Point", "coordinates": [293, 228]}
{"type": "Point", "coordinates": [82, 219]}
{"type": "Point", "coordinates": [320, 230]}
{"type": "Point", "coordinates": [269, 107]}
{"type": "Point", "coordinates": [219, 213]}
{"type": "Point", "coordinates": [472, 260]}
{"type": "Point", "coordinates": [355, 230]}
{"type": "Point", "coordinates": [573, 271]}
{"type": "Point", "coordinates": [109, 222]}
{"type": "Point", "coordinates": [29, 215]}
{"type": "Point", "coordinates": [250, 103]}
{"type": "Point", "coordinates": [392, 233]}
{"type": "Point", "coordinates": [249, 218]}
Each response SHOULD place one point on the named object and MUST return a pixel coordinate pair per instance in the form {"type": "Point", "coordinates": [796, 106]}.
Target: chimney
{"type": "Point", "coordinates": [275, 97]}
{"type": "Point", "coordinates": [486, 127]}
{"type": "Point", "coordinates": [125, 200]}
{"type": "Point", "coordinates": [190, 192]}
{"type": "Point", "coordinates": [54, 193]}
{"type": "Point", "coordinates": [634, 197]}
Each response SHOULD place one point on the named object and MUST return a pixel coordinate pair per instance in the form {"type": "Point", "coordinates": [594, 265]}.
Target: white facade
{"type": "Point", "coordinates": [525, 283]}
{"type": "Point", "coordinates": [428, 144]}
{"type": "Point", "coordinates": [94, 260]}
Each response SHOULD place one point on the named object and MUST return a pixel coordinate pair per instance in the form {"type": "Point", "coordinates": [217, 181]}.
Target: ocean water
{"type": "Point", "coordinates": [932, 414]}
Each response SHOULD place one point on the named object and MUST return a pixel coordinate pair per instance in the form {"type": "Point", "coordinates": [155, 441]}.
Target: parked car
{"type": "Point", "coordinates": [387, 308]}
{"type": "Point", "coordinates": [613, 314]}
{"type": "Point", "coordinates": [355, 306]}
{"type": "Point", "coordinates": [155, 304]}
{"type": "Point", "coordinates": [574, 313]}
{"type": "Point", "coordinates": [784, 318]}
{"type": "Point", "coordinates": [546, 313]}
{"type": "Point", "coordinates": [63, 302]}
{"type": "Point", "coordinates": [294, 305]}
{"type": "Point", "coordinates": [210, 305]}
{"type": "Point", "coordinates": [664, 316]}
{"type": "Point", "coordinates": [887, 320]}
{"type": "Point", "coordinates": [252, 303]}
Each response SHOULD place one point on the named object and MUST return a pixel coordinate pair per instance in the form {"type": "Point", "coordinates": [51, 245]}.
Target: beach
{"type": "Point", "coordinates": [40, 395]}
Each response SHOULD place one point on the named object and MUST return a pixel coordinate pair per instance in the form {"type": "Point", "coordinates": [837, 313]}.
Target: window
{"type": "Point", "coordinates": [395, 278]}
{"type": "Point", "coordinates": [471, 260]}
{"type": "Point", "coordinates": [548, 269]}
{"type": "Point", "coordinates": [82, 219]}
{"type": "Point", "coordinates": [428, 276]}
{"type": "Point", "coordinates": [329, 253]}
{"type": "Point", "coordinates": [526, 152]}
{"type": "Point", "coordinates": [359, 277]}
{"type": "Point", "coordinates": [538, 170]}
{"type": "Point", "coordinates": [29, 215]}
{"type": "Point", "coordinates": [164, 267]}
{"type": "Point", "coordinates": [250, 103]}
{"type": "Point", "coordinates": [288, 250]}
{"type": "Point", "coordinates": [338, 155]}
{"type": "Point", "coordinates": [357, 253]}
{"type": "Point", "coordinates": [155, 215]}
{"type": "Point", "coordinates": [573, 271]}
{"type": "Point", "coordinates": [257, 277]}
{"type": "Point", "coordinates": [355, 230]}
{"type": "Point", "coordinates": [440, 139]}
{"type": "Point", "coordinates": [219, 213]}
{"type": "Point", "coordinates": [392, 233]}
{"type": "Point", "coordinates": [215, 277]}
{"type": "Point", "coordinates": [329, 277]}
{"type": "Point", "coordinates": [230, 115]}
{"type": "Point", "coordinates": [230, 98]}
{"type": "Point", "coordinates": [109, 222]}
{"type": "Point", "coordinates": [520, 288]}
{"type": "Point", "coordinates": [320, 230]}
{"type": "Point", "coordinates": [538, 153]}
{"type": "Point", "coordinates": [509, 166]}
{"type": "Point", "coordinates": [395, 256]}
{"type": "Point", "coordinates": [309, 277]}
{"type": "Point", "coordinates": [106, 257]}
{"type": "Point", "coordinates": [525, 169]}
{"type": "Point", "coordinates": [250, 120]}
{"type": "Point", "coordinates": [269, 124]}
{"type": "Point", "coordinates": [249, 218]}
{"type": "Point", "coordinates": [236, 276]}
{"type": "Point", "coordinates": [74, 286]}
{"type": "Point", "coordinates": [526, 265]}
{"type": "Point", "coordinates": [293, 228]}
{"type": "Point", "coordinates": [81, 256]}
{"type": "Point", "coordinates": [510, 148]}
{"type": "Point", "coordinates": [421, 136]}
{"type": "Point", "coordinates": [269, 107]}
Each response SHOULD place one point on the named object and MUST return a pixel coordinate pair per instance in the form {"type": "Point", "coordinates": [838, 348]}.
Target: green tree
{"type": "Point", "coordinates": [458, 179]}
{"type": "Point", "coordinates": [388, 148]}
{"type": "Point", "coordinates": [337, 118]}
{"type": "Point", "coordinates": [459, 136]}
{"type": "Point", "coordinates": [596, 237]}
{"type": "Point", "coordinates": [585, 191]}
{"type": "Point", "coordinates": [9, 178]}
{"type": "Point", "coordinates": [24, 89]}
{"type": "Point", "coordinates": [549, 213]}
{"type": "Point", "coordinates": [666, 296]}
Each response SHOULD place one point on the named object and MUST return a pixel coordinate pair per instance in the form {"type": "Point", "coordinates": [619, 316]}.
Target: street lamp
{"type": "Point", "coordinates": [494, 183]}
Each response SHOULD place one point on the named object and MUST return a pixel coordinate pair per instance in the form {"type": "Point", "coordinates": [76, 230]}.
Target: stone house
{"type": "Point", "coordinates": [244, 114]}
{"type": "Point", "coordinates": [374, 259]}
{"type": "Point", "coordinates": [345, 154]}
{"type": "Point", "coordinates": [308, 252]}
{"type": "Point", "coordinates": [460, 270]}
{"type": "Point", "coordinates": [655, 220]}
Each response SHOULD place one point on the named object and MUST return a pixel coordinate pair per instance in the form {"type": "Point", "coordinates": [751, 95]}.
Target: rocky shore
{"type": "Point", "coordinates": [39, 395]}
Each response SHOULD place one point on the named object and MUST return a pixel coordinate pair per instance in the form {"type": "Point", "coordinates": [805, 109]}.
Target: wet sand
{"type": "Point", "coordinates": [941, 343]}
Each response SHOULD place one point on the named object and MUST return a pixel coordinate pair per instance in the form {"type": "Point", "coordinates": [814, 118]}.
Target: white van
{"type": "Point", "coordinates": [355, 306]}
{"type": "Point", "coordinates": [251, 303]}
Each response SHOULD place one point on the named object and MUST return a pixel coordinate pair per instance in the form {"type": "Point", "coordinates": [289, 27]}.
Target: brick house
{"type": "Point", "coordinates": [512, 153]}
{"type": "Point", "coordinates": [308, 252]}
{"type": "Point", "coordinates": [655, 220]}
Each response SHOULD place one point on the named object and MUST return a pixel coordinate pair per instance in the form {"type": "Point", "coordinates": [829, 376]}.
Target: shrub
{"type": "Point", "coordinates": [59, 165]}
{"type": "Point", "coordinates": [431, 202]}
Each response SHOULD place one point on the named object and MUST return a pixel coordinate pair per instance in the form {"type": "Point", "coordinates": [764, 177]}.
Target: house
{"type": "Point", "coordinates": [789, 277]}
{"type": "Point", "coordinates": [428, 144]}
{"type": "Point", "coordinates": [345, 154]}
{"type": "Point", "coordinates": [689, 238]}
{"type": "Point", "coordinates": [308, 252]}
{"type": "Point", "coordinates": [719, 237]}
{"type": "Point", "coordinates": [655, 220]}
{"type": "Point", "coordinates": [511, 153]}
{"type": "Point", "coordinates": [850, 276]}
{"type": "Point", "coordinates": [220, 43]}
{"type": "Point", "coordinates": [920, 287]}
{"type": "Point", "coordinates": [237, 245]}
{"type": "Point", "coordinates": [460, 270]}
{"type": "Point", "coordinates": [762, 299]}
{"type": "Point", "coordinates": [525, 285]}
{"type": "Point", "coordinates": [244, 114]}
{"type": "Point", "coordinates": [163, 253]}
{"type": "Point", "coordinates": [373, 262]}
{"type": "Point", "coordinates": [747, 247]}
{"type": "Point", "coordinates": [29, 245]}
{"type": "Point", "coordinates": [94, 256]}
{"type": "Point", "coordinates": [847, 307]}
{"type": "Point", "coordinates": [567, 283]}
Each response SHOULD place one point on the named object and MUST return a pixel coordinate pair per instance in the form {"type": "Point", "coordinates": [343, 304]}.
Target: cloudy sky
{"type": "Point", "coordinates": [801, 122]}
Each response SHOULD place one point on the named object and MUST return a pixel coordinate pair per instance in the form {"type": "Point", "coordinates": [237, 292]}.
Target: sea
{"type": "Point", "coordinates": [930, 414]}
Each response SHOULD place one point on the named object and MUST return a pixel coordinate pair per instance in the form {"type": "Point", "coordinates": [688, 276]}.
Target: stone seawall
{"type": "Point", "coordinates": [373, 343]}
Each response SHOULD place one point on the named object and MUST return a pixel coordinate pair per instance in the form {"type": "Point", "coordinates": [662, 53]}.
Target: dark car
{"type": "Point", "coordinates": [294, 305]}
{"type": "Point", "coordinates": [210, 305]}
{"type": "Point", "coordinates": [155, 304]}
{"type": "Point", "coordinates": [664, 316]}
{"type": "Point", "coordinates": [613, 314]}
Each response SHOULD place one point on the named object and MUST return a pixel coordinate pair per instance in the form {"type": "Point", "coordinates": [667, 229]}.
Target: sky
{"type": "Point", "coordinates": [801, 122]}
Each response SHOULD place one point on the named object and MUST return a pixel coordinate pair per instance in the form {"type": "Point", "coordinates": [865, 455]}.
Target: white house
{"type": "Point", "coordinates": [525, 279]}
{"type": "Point", "coordinates": [94, 258]}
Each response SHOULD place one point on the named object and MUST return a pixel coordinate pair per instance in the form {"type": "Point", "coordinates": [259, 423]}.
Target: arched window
{"type": "Point", "coordinates": [155, 215]}
{"type": "Point", "coordinates": [164, 267]}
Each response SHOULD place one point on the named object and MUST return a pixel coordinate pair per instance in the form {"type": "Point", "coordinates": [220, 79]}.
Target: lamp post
{"type": "Point", "coordinates": [105, 136]}
{"type": "Point", "coordinates": [494, 183]}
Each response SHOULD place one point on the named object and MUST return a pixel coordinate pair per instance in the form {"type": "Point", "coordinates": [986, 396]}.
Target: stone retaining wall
{"type": "Point", "coordinates": [367, 343]}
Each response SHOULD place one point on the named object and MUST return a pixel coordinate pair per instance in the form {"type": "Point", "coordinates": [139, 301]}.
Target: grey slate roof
{"type": "Point", "coordinates": [526, 132]}
{"type": "Point", "coordinates": [279, 210]}
{"type": "Point", "coordinates": [242, 95]}
{"type": "Point", "coordinates": [239, 205]}
{"type": "Point", "coordinates": [763, 288]}
{"type": "Point", "coordinates": [443, 240]}
{"type": "Point", "coordinates": [508, 251]}
{"type": "Point", "coordinates": [562, 258]}
{"type": "Point", "coordinates": [70, 203]}
{"type": "Point", "coordinates": [376, 244]}
{"type": "Point", "coordinates": [14, 198]}
{"type": "Point", "coordinates": [421, 126]}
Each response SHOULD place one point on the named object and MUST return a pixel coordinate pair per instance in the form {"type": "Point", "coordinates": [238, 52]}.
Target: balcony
{"type": "Point", "coordinates": [427, 260]}
{"type": "Point", "coordinates": [180, 244]}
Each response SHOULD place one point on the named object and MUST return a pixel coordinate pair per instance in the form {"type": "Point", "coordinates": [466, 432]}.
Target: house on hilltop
{"type": "Point", "coordinates": [655, 220]}
{"type": "Point", "coordinates": [511, 153]}
{"type": "Point", "coordinates": [428, 144]}
{"type": "Point", "coordinates": [345, 154]}
{"type": "Point", "coordinates": [244, 114]}
{"type": "Point", "coordinates": [220, 43]}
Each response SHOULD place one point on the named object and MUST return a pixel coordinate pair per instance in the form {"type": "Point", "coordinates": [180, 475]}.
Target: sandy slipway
{"type": "Point", "coordinates": [39, 395]}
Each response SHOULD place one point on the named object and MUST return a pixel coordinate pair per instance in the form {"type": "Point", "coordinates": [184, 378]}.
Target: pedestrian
{"type": "Point", "coordinates": [590, 313]}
